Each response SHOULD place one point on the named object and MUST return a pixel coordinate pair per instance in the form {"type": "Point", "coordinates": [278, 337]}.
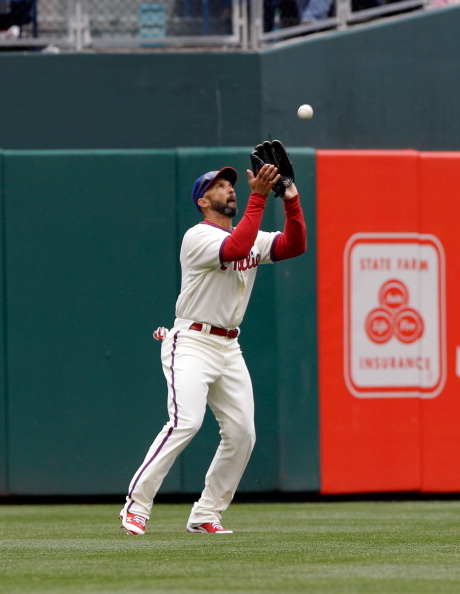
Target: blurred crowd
{"type": "Point", "coordinates": [279, 14]}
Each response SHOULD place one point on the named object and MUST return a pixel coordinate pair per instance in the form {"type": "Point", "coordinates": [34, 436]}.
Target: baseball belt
{"type": "Point", "coordinates": [232, 333]}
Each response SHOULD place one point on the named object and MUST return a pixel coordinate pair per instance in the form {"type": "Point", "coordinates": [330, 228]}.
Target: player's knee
{"type": "Point", "coordinates": [192, 426]}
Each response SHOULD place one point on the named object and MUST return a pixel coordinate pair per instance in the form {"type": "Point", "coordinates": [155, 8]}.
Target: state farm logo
{"type": "Point", "coordinates": [394, 315]}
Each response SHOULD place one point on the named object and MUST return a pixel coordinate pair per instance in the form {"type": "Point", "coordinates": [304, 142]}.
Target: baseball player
{"type": "Point", "coordinates": [201, 356]}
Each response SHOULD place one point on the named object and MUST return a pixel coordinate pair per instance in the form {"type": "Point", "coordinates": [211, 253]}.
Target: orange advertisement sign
{"type": "Point", "coordinates": [388, 320]}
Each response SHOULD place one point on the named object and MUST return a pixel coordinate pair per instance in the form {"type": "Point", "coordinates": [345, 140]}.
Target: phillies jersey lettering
{"type": "Point", "coordinates": [252, 261]}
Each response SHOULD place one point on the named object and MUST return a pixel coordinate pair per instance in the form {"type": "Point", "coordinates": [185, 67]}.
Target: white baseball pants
{"type": "Point", "coordinates": [200, 369]}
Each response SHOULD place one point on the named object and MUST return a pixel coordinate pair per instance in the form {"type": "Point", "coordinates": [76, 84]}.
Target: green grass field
{"type": "Point", "coordinates": [327, 547]}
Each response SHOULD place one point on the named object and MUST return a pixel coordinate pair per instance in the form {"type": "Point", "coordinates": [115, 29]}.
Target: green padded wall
{"type": "Point", "coordinates": [3, 390]}
{"type": "Point", "coordinates": [297, 356]}
{"type": "Point", "coordinates": [91, 242]}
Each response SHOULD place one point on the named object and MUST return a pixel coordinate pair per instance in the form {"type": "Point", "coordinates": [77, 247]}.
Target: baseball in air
{"type": "Point", "coordinates": [305, 112]}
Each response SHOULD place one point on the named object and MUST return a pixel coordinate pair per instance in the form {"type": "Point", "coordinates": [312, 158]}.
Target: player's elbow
{"type": "Point", "coordinates": [304, 246]}
{"type": "Point", "coordinates": [300, 250]}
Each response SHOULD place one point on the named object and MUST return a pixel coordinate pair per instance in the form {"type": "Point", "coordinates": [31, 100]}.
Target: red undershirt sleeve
{"type": "Point", "coordinates": [293, 241]}
{"type": "Point", "coordinates": [238, 245]}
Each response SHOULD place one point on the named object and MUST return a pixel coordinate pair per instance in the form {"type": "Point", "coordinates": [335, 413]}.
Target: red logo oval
{"type": "Point", "coordinates": [379, 325]}
{"type": "Point", "coordinates": [409, 325]}
{"type": "Point", "coordinates": [393, 295]}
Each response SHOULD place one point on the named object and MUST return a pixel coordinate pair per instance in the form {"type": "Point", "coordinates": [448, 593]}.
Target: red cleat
{"type": "Point", "coordinates": [209, 528]}
{"type": "Point", "coordinates": [132, 523]}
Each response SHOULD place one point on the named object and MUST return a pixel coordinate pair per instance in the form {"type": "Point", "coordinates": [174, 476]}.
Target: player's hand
{"type": "Point", "coordinates": [160, 333]}
{"type": "Point", "coordinates": [264, 181]}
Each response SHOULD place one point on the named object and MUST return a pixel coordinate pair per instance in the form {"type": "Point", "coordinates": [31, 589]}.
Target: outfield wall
{"type": "Point", "coordinates": [353, 347]}
{"type": "Point", "coordinates": [90, 268]}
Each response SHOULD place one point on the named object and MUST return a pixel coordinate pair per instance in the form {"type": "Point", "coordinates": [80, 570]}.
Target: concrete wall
{"type": "Point", "coordinates": [391, 85]}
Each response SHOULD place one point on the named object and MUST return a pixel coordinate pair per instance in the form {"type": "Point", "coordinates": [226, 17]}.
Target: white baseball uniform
{"type": "Point", "coordinates": [203, 368]}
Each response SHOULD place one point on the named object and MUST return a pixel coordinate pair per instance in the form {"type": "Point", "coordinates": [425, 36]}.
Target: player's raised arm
{"type": "Point", "coordinates": [293, 241]}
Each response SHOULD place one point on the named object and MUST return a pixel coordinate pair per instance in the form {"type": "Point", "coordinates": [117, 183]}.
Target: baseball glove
{"type": "Point", "coordinates": [274, 153]}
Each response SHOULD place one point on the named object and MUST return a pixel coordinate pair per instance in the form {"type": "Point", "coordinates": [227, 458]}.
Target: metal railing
{"type": "Point", "coordinates": [91, 25]}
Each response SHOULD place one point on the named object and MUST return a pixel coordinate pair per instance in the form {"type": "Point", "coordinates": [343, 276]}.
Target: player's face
{"type": "Point", "coordinates": [222, 198]}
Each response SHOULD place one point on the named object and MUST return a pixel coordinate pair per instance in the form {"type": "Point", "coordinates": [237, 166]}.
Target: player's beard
{"type": "Point", "coordinates": [224, 209]}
